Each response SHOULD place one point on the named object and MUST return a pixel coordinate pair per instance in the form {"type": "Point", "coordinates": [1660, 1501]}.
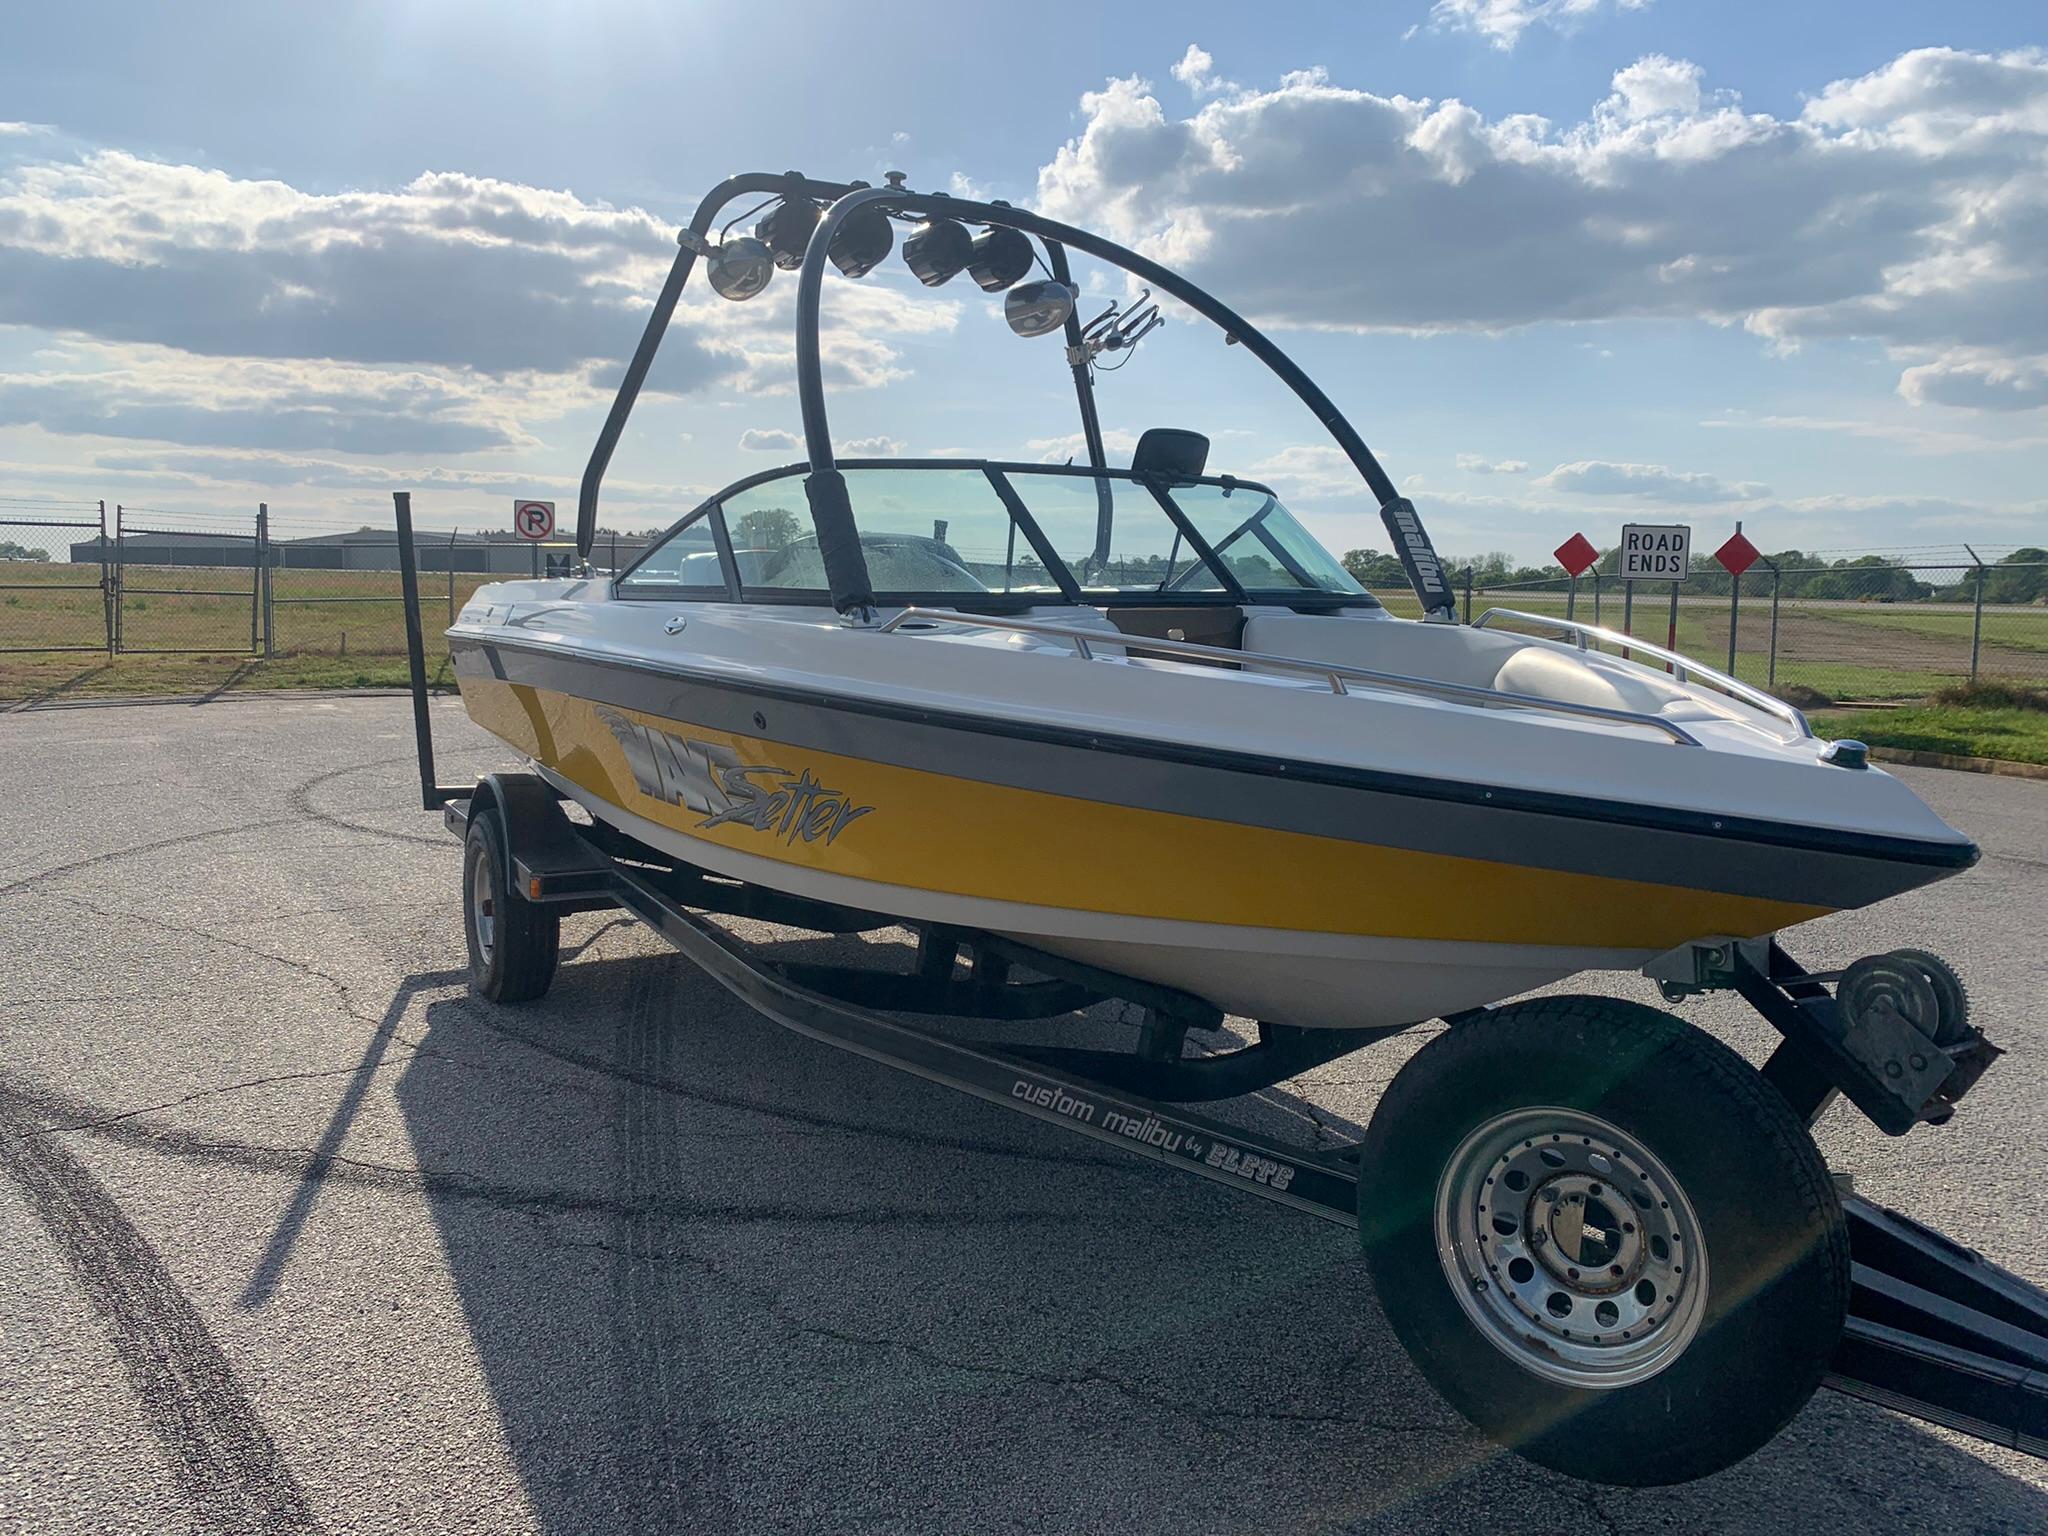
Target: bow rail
{"type": "Point", "coordinates": [1338, 676]}
{"type": "Point", "coordinates": [1683, 667]}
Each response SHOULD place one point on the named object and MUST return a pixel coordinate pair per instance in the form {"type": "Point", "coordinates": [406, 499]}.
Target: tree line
{"type": "Point", "coordinates": [2020, 577]}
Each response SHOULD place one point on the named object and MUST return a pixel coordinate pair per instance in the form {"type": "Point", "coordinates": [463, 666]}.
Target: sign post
{"type": "Point", "coordinates": [1736, 556]}
{"type": "Point", "coordinates": [1577, 555]}
{"type": "Point", "coordinates": [1654, 552]}
{"type": "Point", "coordinates": [533, 521]}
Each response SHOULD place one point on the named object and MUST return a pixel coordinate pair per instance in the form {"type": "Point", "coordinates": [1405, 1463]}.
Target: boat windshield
{"type": "Point", "coordinates": [1016, 534]}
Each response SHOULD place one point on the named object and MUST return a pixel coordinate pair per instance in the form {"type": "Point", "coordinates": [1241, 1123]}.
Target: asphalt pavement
{"type": "Point", "coordinates": [297, 1235]}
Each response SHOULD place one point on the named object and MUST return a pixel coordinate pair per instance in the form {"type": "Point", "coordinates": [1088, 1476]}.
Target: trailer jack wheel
{"type": "Point", "coordinates": [513, 943]}
{"type": "Point", "coordinates": [1604, 1239]}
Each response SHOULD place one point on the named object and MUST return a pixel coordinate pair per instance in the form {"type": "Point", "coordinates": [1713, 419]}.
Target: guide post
{"type": "Point", "coordinates": [1654, 552]}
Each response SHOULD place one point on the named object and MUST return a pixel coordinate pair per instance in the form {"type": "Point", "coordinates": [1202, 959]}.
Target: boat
{"type": "Point", "coordinates": [1133, 715]}
{"type": "Point", "coordinates": [1126, 733]}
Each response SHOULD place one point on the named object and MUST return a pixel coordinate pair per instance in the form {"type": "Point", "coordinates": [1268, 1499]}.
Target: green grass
{"type": "Point", "coordinates": [2016, 735]}
{"type": "Point", "coordinates": [344, 629]}
{"type": "Point", "coordinates": [328, 611]}
{"type": "Point", "coordinates": [1842, 651]}
{"type": "Point", "coordinates": [2005, 628]}
{"type": "Point", "coordinates": [50, 675]}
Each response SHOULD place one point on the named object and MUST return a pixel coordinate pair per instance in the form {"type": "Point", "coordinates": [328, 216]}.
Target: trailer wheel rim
{"type": "Point", "coordinates": [1571, 1247]}
{"type": "Point", "coordinates": [483, 907]}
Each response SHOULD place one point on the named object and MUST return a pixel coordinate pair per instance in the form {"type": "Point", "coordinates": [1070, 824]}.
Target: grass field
{"type": "Point", "coordinates": [330, 629]}
{"type": "Point", "coordinates": [345, 629]}
{"type": "Point", "coordinates": [1843, 650]}
{"type": "Point", "coordinates": [2016, 735]}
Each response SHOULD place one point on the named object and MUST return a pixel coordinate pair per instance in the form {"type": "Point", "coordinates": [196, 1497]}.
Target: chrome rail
{"type": "Point", "coordinates": [1336, 675]}
{"type": "Point", "coordinates": [1684, 666]}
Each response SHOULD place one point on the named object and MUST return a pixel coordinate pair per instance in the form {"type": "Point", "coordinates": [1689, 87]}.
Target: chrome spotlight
{"type": "Point", "coordinates": [787, 229]}
{"type": "Point", "coordinates": [861, 242]}
{"type": "Point", "coordinates": [1001, 256]}
{"type": "Point", "coordinates": [1040, 308]}
{"type": "Point", "coordinates": [740, 268]}
{"type": "Point", "coordinates": [940, 249]}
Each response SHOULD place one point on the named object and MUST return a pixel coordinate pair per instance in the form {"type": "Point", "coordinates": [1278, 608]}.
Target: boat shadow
{"type": "Point", "coordinates": [720, 1277]}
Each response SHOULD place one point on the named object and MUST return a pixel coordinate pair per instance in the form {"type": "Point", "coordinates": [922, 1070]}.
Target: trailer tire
{"type": "Point", "coordinates": [513, 943]}
{"type": "Point", "coordinates": [1660, 1102]}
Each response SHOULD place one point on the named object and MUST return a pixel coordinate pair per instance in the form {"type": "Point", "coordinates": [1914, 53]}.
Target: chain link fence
{"type": "Point", "coordinates": [339, 594]}
{"type": "Point", "coordinates": [49, 600]}
{"type": "Point", "coordinates": [76, 577]}
{"type": "Point", "coordinates": [1863, 630]}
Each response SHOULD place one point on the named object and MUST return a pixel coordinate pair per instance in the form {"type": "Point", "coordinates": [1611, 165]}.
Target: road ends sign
{"type": "Point", "coordinates": [1737, 555]}
{"type": "Point", "coordinates": [1656, 552]}
{"type": "Point", "coordinates": [533, 519]}
{"type": "Point", "coordinates": [1577, 555]}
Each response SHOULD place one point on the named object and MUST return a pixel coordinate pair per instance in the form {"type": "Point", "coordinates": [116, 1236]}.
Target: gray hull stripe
{"type": "Point", "coordinates": [1082, 770]}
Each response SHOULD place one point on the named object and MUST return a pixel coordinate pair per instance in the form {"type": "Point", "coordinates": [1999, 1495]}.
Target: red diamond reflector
{"type": "Point", "coordinates": [1577, 554]}
{"type": "Point", "coordinates": [1737, 555]}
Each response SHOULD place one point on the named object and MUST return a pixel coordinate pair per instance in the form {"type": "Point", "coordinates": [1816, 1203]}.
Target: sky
{"type": "Point", "coordinates": [1565, 264]}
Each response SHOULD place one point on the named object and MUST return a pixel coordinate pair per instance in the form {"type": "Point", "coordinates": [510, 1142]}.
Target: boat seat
{"type": "Point", "coordinates": [1572, 677]}
{"type": "Point", "coordinates": [1444, 652]}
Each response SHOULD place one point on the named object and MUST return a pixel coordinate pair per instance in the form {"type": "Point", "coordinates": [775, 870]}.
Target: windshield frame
{"type": "Point", "coordinates": [1229, 592]}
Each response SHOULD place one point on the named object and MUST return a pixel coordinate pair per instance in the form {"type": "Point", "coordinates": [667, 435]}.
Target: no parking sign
{"type": "Point", "coordinates": [533, 519]}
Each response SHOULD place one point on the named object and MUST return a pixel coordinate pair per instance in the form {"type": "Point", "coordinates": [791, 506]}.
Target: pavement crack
{"type": "Point", "coordinates": [1208, 1414]}
{"type": "Point", "coordinates": [115, 1116]}
{"type": "Point", "coordinates": [241, 829]}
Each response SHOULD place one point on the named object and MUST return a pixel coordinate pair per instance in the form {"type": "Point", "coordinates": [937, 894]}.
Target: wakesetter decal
{"type": "Point", "coordinates": [711, 780]}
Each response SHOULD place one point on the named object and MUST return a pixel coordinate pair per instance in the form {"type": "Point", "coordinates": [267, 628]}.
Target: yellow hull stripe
{"type": "Point", "coordinates": [935, 832]}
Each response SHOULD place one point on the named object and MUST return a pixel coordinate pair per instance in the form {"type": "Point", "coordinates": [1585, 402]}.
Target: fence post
{"type": "Point", "coordinates": [1771, 676]}
{"type": "Point", "coordinates": [106, 582]}
{"type": "Point", "coordinates": [1734, 607]}
{"type": "Point", "coordinates": [269, 584]}
{"type": "Point", "coordinates": [120, 564]}
{"type": "Point", "coordinates": [1596, 597]}
{"type": "Point", "coordinates": [453, 535]}
{"type": "Point", "coordinates": [256, 580]}
{"type": "Point", "coordinates": [1468, 594]}
{"type": "Point", "coordinates": [1976, 616]}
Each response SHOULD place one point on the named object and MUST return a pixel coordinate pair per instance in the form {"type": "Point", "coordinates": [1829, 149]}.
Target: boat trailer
{"type": "Point", "coordinates": [1935, 1330]}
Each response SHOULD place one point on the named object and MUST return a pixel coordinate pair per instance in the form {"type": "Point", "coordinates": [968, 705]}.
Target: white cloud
{"type": "Point", "coordinates": [23, 130]}
{"type": "Point", "coordinates": [770, 440]}
{"type": "Point", "coordinates": [158, 394]}
{"type": "Point", "coordinates": [1653, 482]}
{"type": "Point", "coordinates": [878, 447]}
{"type": "Point", "coordinates": [1655, 85]}
{"type": "Point", "coordinates": [1908, 206]}
{"type": "Point", "coordinates": [1984, 383]}
{"type": "Point", "coordinates": [1476, 464]}
{"type": "Point", "coordinates": [1313, 472]}
{"type": "Point", "coordinates": [1197, 71]}
{"type": "Point", "coordinates": [513, 299]}
{"type": "Point", "coordinates": [1502, 22]}
{"type": "Point", "coordinates": [1908, 435]}
{"type": "Point", "coordinates": [1072, 447]}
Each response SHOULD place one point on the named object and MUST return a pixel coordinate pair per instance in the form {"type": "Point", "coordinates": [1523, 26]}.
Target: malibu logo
{"type": "Point", "coordinates": [711, 780]}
